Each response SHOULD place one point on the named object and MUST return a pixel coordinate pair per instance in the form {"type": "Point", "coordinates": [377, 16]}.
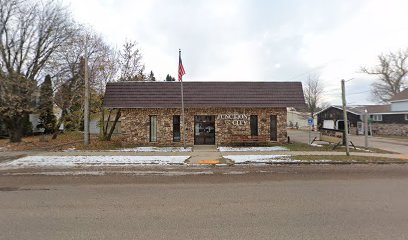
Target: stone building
{"type": "Point", "coordinates": [217, 113]}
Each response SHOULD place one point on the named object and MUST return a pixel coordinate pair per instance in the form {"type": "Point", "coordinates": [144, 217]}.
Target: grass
{"type": "Point", "coordinates": [97, 144]}
{"type": "Point", "coordinates": [67, 140]}
{"type": "Point", "coordinates": [45, 142]}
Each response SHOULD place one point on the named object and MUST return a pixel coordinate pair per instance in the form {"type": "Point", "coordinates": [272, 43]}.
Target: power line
{"type": "Point", "coordinates": [357, 93]}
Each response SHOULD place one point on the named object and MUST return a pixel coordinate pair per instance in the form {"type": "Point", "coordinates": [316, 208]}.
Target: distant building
{"type": "Point", "coordinates": [298, 119]}
{"type": "Point", "coordinates": [390, 119]}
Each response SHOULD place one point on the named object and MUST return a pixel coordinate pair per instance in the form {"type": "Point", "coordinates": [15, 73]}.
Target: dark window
{"type": "Point", "coordinates": [254, 125]}
{"type": "Point", "coordinates": [153, 128]}
{"type": "Point", "coordinates": [176, 128]}
{"type": "Point", "coordinates": [274, 128]}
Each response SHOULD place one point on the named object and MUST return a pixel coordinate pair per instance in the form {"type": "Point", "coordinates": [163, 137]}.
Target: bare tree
{"type": "Point", "coordinates": [68, 71]}
{"type": "Point", "coordinates": [130, 69]}
{"type": "Point", "coordinates": [30, 34]}
{"type": "Point", "coordinates": [313, 91]}
{"type": "Point", "coordinates": [391, 72]}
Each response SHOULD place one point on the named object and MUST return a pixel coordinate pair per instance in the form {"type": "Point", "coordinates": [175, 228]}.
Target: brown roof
{"type": "Point", "coordinates": [379, 108]}
{"type": "Point", "coordinates": [203, 94]}
{"type": "Point", "coordinates": [359, 109]}
{"type": "Point", "coordinates": [372, 108]}
{"type": "Point", "coordinates": [400, 96]}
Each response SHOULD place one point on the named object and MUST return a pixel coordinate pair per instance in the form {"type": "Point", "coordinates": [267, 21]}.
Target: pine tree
{"type": "Point", "coordinates": [170, 78]}
{"type": "Point", "coordinates": [151, 77]}
{"type": "Point", "coordinates": [45, 108]}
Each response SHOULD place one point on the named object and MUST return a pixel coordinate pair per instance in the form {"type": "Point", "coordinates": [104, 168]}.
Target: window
{"type": "Point", "coordinates": [176, 128]}
{"type": "Point", "coordinates": [406, 117]}
{"type": "Point", "coordinates": [153, 128]}
{"type": "Point", "coordinates": [274, 128]}
{"type": "Point", "coordinates": [377, 117]}
{"type": "Point", "coordinates": [254, 125]}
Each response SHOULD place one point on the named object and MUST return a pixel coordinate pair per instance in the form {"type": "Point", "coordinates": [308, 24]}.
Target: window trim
{"type": "Point", "coordinates": [406, 117]}
{"type": "Point", "coordinates": [377, 117]}
{"type": "Point", "coordinates": [151, 130]}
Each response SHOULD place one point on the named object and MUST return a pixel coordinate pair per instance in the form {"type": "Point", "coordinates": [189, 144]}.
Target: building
{"type": "Point", "coordinates": [390, 119]}
{"type": "Point", "coordinates": [215, 112]}
{"type": "Point", "coordinates": [298, 119]}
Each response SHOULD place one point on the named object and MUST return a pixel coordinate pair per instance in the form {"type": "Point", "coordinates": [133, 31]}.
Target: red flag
{"type": "Point", "coordinates": [181, 71]}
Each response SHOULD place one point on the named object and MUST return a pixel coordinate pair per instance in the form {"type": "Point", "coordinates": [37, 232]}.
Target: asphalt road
{"type": "Point", "coordinates": [283, 202]}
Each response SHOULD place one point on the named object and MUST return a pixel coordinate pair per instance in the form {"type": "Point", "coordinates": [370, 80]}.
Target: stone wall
{"type": "Point", "coordinates": [391, 129]}
{"type": "Point", "coordinates": [135, 124]}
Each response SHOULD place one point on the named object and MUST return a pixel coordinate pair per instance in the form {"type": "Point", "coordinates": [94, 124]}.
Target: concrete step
{"type": "Point", "coordinates": [205, 148]}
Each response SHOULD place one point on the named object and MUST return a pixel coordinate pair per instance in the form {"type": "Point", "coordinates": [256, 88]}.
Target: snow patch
{"type": "Point", "coordinates": [239, 159]}
{"type": "Point", "coordinates": [69, 173]}
{"type": "Point", "coordinates": [101, 173]}
{"type": "Point", "coordinates": [316, 145]}
{"type": "Point", "coordinates": [357, 148]}
{"type": "Point", "coordinates": [252, 149]}
{"type": "Point", "coordinates": [84, 161]}
{"type": "Point", "coordinates": [235, 173]}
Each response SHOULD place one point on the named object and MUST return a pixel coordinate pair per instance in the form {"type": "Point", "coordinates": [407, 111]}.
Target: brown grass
{"type": "Point", "coordinates": [67, 140]}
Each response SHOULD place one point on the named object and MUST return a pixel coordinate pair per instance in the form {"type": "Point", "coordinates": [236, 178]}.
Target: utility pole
{"type": "Point", "coordinates": [86, 104]}
{"type": "Point", "coordinates": [366, 128]}
{"type": "Point", "coordinates": [343, 96]}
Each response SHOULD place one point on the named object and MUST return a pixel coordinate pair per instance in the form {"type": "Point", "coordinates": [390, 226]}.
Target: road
{"type": "Point", "coordinates": [280, 202]}
{"type": "Point", "coordinates": [388, 144]}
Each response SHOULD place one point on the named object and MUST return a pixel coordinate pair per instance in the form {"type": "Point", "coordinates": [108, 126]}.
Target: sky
{"type": "Point", "coordinates": [256, 40]}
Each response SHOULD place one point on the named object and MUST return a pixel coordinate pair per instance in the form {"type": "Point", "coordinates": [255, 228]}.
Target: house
{"type": "Point", "coordinates": [298, 119]}
{"type": "Point", "coordinates": [332, 118]}
{"type": "Point", "coordinates": [390, 119]}
{"type": "Point", "coordinates": [215, 112]}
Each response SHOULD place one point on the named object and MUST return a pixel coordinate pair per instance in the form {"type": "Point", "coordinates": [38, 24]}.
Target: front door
{"type": "Point", "coordinates": [204, 130]}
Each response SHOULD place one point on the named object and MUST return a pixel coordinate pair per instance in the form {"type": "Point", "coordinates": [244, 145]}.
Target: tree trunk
{"type": "Point", "coordinates": [109, 136]}
{"type": "Point", "coordinates": [16, 129]}
{"type": "Point", "coordinates": [101, 124]}
{"type": "Point", "coordinates": [57, 126]}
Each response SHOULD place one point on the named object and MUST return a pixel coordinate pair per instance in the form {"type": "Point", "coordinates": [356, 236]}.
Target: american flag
{"type": "Point", "coordinates": [181, 71]}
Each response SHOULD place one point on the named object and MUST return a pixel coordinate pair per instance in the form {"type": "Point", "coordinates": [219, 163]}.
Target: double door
{"type": "Point", "coordinates": [204, 130]}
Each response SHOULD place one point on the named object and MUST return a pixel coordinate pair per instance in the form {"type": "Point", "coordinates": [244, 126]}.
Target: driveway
{"type": "Point", "coordinates": [388, 144]}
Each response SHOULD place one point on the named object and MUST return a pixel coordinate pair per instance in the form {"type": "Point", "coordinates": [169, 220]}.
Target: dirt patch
{"type": "Point", "coordinates": [65, 141]}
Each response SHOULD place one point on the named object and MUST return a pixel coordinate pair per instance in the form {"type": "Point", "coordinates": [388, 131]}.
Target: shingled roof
{"type": "Point", "coordinates": [400, 96]}
{"type": "Point", "coordinates": [203, 94]}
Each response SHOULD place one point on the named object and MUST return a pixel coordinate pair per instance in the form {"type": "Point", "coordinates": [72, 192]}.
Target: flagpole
{"type": "Point", "coordinates": [182, 107]}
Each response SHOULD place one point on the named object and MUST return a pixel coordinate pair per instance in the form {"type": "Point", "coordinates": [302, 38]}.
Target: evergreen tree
{"type": "Point", "coordinates": [45, 107]}
{"type": "Point", "coordinates": [170, 78]}
{"type": "Point", "coordinates": [151, 77]}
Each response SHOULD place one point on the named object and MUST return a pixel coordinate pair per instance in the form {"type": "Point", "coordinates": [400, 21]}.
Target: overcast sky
{"type": "Point", "coordinates": [263, 40]}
